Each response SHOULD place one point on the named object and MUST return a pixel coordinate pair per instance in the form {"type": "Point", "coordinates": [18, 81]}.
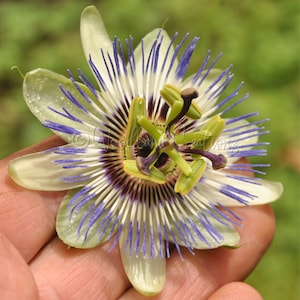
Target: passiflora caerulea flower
{"type": "Point", "coordinates": [148, 155]}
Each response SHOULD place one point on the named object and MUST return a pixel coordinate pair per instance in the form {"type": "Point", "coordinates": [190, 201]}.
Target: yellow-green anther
{"type": "Point", "coordinates": [192, 137]}
{"type": "Point", "coordinates": [137, 108]}
{"type": "Point", "coordinates": [172, 94]}
{"type": "Point", "coordinates": [215, 126]}
{"type": "Point", "coordinates": [174, 111]}
{"type": "Point", "coordinates": [154, 175]}
{"type": "Point", "coordinates": [194, 112]}
{"type": "Point", "coordinates": [180, 161]}
{"type": "Point", "coordinates": [185, 183]}
{"type": "Point", "coordinates": [149, 127]}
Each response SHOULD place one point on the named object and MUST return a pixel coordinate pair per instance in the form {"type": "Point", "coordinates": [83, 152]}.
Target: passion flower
{"type": "Point", "coordinates": [148, 154]}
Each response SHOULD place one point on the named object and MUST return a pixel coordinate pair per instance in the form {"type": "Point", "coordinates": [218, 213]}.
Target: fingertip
{"type": "Point", "coordinates": [16, 280]}
{"type": "Point", "coordinates": [236, 291]}
{"type": "Point", "coordinates": [259, 225]}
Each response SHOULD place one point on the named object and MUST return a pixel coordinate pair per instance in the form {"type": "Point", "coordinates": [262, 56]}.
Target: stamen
{"type": "Point", "coordinates": [185, 183]}
{"type": "Point", "coordinates": [213, 127]}
{"type": "Point", "coordinates": [149, 127]}
{"type": "Point", "coordinates": [137, 108]}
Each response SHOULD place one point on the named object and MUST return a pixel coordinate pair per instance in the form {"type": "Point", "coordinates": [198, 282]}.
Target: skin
{"type": "Point", "coordinates": [35, 264]}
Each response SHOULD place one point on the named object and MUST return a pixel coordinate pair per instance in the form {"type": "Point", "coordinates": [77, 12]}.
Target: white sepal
{"type": "Point", "coordinates": [95, 37]}
{"type": "Point", "coordinates": [42, 93]}
{"type": "Point", "coordinates": [73, 229]}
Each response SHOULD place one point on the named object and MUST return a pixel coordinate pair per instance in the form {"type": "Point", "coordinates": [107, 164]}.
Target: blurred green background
{"type": "Point", "coordinates": [260, 39]}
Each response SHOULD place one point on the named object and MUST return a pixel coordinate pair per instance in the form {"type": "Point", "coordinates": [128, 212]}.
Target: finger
{"type": "Point", "coordinates": [27, 218]}
{"type": "Point", "coordinates": [256, 234]}
{"type": "Point", "coordinates": [236, 291]}
{"type": "Point", "coordinates": [199, 275]}
{"type": "Point", "coordinates": [52, 141]}
{"type": "Point", "coordinates": [16, 280]}
{"type": "Point", "coordinates": [79, 274]}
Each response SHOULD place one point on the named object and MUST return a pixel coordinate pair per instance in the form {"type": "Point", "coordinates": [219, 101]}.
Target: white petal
{"type": "Point", "coordinates": [44, 96]}
{"type": "Point", "coordinates": [229, 145]}
{"type": "Point", "coordinates": [38, 171]}
{"type": "Point", "coordinates": [268, 191]}
{"type": "Point", "coordinates": [265, 192]}
{"type": "Point", "coordinates": [165, 52]}
{"type": "Point", "coordinates": [206, 89]}
{"type": "Point", "coordinates": [146, 274]}
{"type": "Point", "coordinates": [230, 237]}
{"type": "Point", "coordinates": [260, 191]}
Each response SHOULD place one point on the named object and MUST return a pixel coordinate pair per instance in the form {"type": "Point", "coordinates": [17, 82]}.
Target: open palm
{"type": "Point", "coordinates": [35, 264]}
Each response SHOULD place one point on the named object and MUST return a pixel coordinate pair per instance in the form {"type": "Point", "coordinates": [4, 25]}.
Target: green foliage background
{"type": "Point", "coordinates": [261, 40]}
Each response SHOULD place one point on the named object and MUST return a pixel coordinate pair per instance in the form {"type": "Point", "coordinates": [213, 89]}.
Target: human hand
{"type": "Point", "coordinates": [35, 264]}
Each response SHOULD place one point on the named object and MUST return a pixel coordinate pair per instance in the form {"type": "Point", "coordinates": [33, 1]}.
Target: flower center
{"type": "Point", "coordinates": [151, 148]}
